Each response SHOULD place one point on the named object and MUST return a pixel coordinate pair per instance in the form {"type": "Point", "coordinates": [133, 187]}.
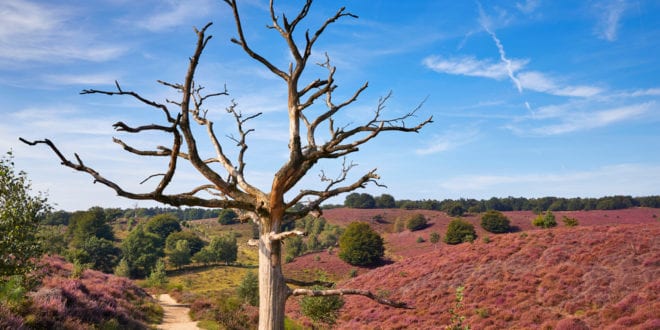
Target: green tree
{"type": "Point", "coordinates": [220, 249]}
{"type": "Point", "coordinates": [360, 201]}
{"type": "Point", "coordinates": [163, 225]}
{"type": "Point", "coordinates": [455, 209]}
{"type": "Point", "coordinates": [227, 217]}
{"type": "Point", "coordinates": [84, 224]}
{"type": "Point", "coordinates": [142, 250]}
{"type": "Point", "coordinates": [99, 253]}
{"type": "Point", "coordinates": [361, 245]}
{"type": "Point", "coordinates": [322, 309]}
{"type": "Point", "coordinates": [495, 222]}
{"type": "Point", "coordinates": [20, 214]}
{"type": "Point", "coordinates": [385, 201]}
{"type": "Point", "coordinates": [158, 275]}
{"type": "Point", "coordinates": [459, 231]}
{"type": "Point", "coordinates": [248, 290]}
{"type": "Point", "coordinates": [195, 243]}
{"type": "Point", "coordinates": [434, 238]}
{"type": "Point", "coordinates": [180, 255]}
{"type": "Point", "coordinates": [546, 220]}
{"type": "Point", "coordinates": [416, 222]}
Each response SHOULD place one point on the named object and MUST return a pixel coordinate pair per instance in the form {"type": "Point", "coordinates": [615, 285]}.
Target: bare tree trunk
{"type": "Point", "coordinates": [273, 291]}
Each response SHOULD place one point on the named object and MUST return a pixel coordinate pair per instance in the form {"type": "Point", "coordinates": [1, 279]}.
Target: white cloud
{"type": "Point", "coordinates": [540, 82]}
{"type": "Point", "coordinates": [38, 32]}
{"type": "Point", "coordinates": [81, 79]}
{"type": "Point", "coordinates": [609, 16]}
{"type": "Point", "coordinates": [176, 13]}
{"type": "Point", "coordinates": [450, 140]}
{"type": "Point", "coordinates": [572, 117]}
{"type": "Point", "coordinates": [528, 6]}
{"type": "Point", "coordinates": [469, 66]}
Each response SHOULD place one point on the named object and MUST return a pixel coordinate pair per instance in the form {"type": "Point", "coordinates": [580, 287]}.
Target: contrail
{"type": "Point", "coordinates": [509, 66]}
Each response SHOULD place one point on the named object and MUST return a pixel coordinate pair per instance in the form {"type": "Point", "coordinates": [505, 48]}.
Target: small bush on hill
{"type": "Point", "coordinates": [360, 245]}
{"type": "Point", "coordinates": [546, 220]}
{"type": "Point", "coordinates": [416, 222]}
{"type": "Point", "coordinates": [570, 222]}
{"type": "Point", "coordinates": [227, 217]}
{"type": "Point", "coordinates": [459, 231]}
{"type": "Point", "coordinates": [249, 289]}
{"type": "Point", "coordinates": [322, 309]}
{"type": "Point", "coordinates": [495, 222]}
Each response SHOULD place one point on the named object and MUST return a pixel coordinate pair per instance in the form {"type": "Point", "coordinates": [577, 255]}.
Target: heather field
{"type": "Point", "coordinates": [66, 299]}
{"type": "Point", "coordinates": [603, 274]}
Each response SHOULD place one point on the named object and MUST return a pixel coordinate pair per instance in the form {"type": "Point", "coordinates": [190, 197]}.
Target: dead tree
{"type": "Point", "coordinates": [230, 188]}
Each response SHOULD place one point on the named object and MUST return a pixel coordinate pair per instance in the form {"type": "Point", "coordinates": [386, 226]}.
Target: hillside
{"type": "Point", "coordinates": [598, 276]}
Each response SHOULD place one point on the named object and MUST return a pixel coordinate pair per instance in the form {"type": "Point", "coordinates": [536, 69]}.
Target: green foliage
{"type": "Point", "coordinates": [100, 253]}
{"type": "Point", "coordinates": [53, 239]}
{"type": "Point", "coordinates": [227, 217]}
{"type": "Point", "coordinates": [322, 309]}
{"type": "Point", "coordinates": [416, 222]}
{"type": "Point", "coordinates": [163, 225]}
{"type": "Point", "coordinates": [57, 218]}
{"type": "Point", "coordinates": [570, 222]}
{"type": "Point", "coordinates": [420, 239]}
{"type": "Point", "coordinates": [123, 269]}
{"type": "Point", "coordinates": [434, 238]}
{"type": "Point", "coordinates": [84, 224]}
{"type": "Point", "coordinates": [221, 249]}
{"type": "Point", "coordinates": [456, 318]}
{"type": "Point", "coordinates": [459, 231]}
{"type": "Point", "coordinates": [385, 201]}
{"type": "Point", "coordinates": [495, 222]}
{"type": "Point", "coordinates": [320, 235]}
{"type": "Point", "coordinates": [195, 243]}
{"type": "Point", "coordinates": [361, 245]}
{"type": "Point", "coordinates": [180, 255]}
{"type": "Point", "coordinates": [12, 291]}
{"type": "Point", "coordinates": [360, 201]}
{"type": "Point", "coordinates": [158, 277]}
{"type": "Point", "coordinates": [248, 290]}
{"type": "Point", "coordinates": [20, 214]}
{"type": "Point", "coordinates": [142, 249]}
{"type": "Point", "coordinates": [455, 209]}
{"type": "Point", "coordinates": [546, 220]}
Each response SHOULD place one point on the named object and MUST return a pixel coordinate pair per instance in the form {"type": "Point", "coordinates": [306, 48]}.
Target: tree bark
{"type": "Point", "coordinates": [273, 290]}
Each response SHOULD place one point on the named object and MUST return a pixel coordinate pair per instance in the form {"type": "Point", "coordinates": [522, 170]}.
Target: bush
{"type": "Point", "coordinates": [420, 239]}
{"type": "Point", "coordinates": [455, 209]}
{"type": "Point", "coordinates": [459, 231]}
{"type": "Point", "coordinates": [227, 217]}
{"type": "Point", "coordinates": [361, 245]}
{"type": "Point", "coordinates": [570, 222]}
{"type": "Point", "coordinates": [249, 289]}
{"type": "Point", "coordinates": [546, 220]}
{"type": "Point", "coordinates": [322, 309]}
{"type": "Point", "coordinates": [416, 222]}
{"type": "Point", "coordinates": [495, 222]}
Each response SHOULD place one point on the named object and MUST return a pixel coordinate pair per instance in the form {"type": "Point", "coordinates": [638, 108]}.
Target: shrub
{"type": "Point", "coordinates": [249, 289]}
{"type": "Point", "coordinates": [570, 222]}
{"type": "Point", "coordinates": [227, 217]}
{"type": "Point", "coordinates": [360, 245]}
{"type": "Point", "coordinates": [455, 209]}
{"type": "Point", "coordinates": [420, 239]}
{"type": "Point", "coordinates": [459, 231]}
{"type": "Point", "coordinates": [194, 242]}
{"type": "Point", "coordinates": [416, 222]}
{"type": "Point", "coordinates": [546, 220]}
{"type": "Point", "coordinates": [495, 222]}
{"type": "Point", "coordinates": [322, 309]}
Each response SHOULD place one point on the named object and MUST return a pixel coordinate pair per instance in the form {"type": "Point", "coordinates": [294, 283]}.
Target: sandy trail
{"type": "Point", "coordinates": [176, 315]}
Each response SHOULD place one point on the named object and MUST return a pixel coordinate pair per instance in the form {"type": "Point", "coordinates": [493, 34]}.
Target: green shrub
{"type": "Point", "coordinates": [570, 222]}
{"type": "Point", "coordinates": [416, 222]}
{"type": "Point", "coordinates": [249, 289]}
{"type": "Point", "coordinates": [360, 245]}
{"type": "Point", "coordinates": [455, 209]}
{"type": "Point", "coordinates": [546, 220]}
{"type": "Point", "coordinates": [459, 231]}
{"type": "Point", "coordinates": [495, 222]}
{"type": "Point", "coordinates": [322, 309]}
{"type": "Point", "coordinates": [420, 239]}
{"type": "Point", "coordinates": [227, 217]}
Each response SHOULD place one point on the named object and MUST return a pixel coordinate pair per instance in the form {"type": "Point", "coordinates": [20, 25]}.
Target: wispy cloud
{"type": "Point", "coordinates": [81, 79]}
{"type": "Point", "coordinates": [39, 32]}
{"type": "Point", "coordinates": [572, 117]}
{"type": "Point", "coordinates": [450, 140]}
{"type": "Point", "coordinates": [540, 82]}
{"type": "Point", "coordinates": [528, 6]}
{"type": "Point", "coordinates": [609, 16]}
{"type": "Point", "coordinates": [175, 13]}
{"type": "Point", "coordinates": [470, 66]}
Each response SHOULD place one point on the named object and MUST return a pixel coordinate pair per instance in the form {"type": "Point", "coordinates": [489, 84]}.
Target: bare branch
{"type": "Point", "coordinates": [345, 292]}
{"type": "Point", "coordinates": [308, 283]}
{"type": "Point", "coordinates": [285, 234]}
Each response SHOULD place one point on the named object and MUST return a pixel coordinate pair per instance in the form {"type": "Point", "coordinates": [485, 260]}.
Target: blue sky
{"type": "Point", "coordinates": [529, 98]}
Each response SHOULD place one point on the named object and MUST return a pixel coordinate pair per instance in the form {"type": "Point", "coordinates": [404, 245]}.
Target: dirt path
{"type": "Point", "coordinates": [176, 315]}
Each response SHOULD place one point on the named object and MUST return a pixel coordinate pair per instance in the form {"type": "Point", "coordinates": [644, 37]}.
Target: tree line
{"type": "Point", "coordinates": [460, 206]}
